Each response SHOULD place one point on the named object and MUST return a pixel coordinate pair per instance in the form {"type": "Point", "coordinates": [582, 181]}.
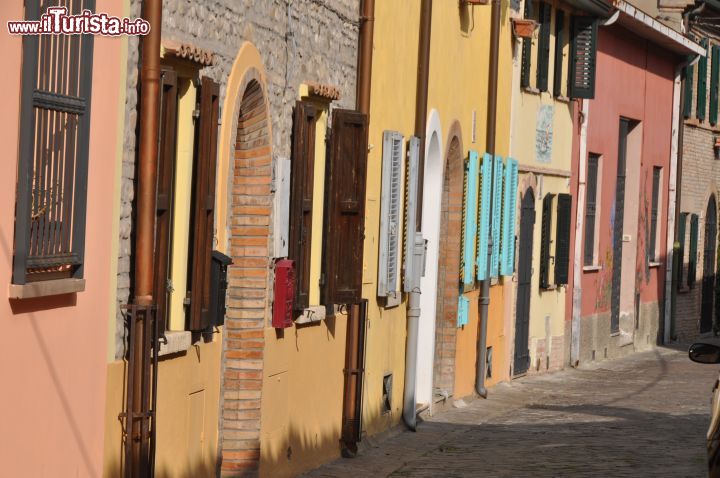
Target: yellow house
{"type": "Point", "coordinates": [542, 138]}
{"type": "Point", "coordinates": [456, 123]}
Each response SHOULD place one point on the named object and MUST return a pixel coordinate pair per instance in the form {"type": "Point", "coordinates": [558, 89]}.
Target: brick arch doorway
{"type": "Point", "coordinates": [448, 273]}
{"type": "Point", "coordinates": [249, 243]}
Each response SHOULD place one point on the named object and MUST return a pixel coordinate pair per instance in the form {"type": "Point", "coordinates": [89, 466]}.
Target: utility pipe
{"type": "Point", "coordinates": [146, 210]}
{"type": "Point", "coordinates": [579, 225]}
{"type": "Point", "coordinates": [413, 304]}
{"type": "Point", "coordinates": [672, 203]}
{"type": "Point", "coordinates": [484, 302]}
{"type": "Point", "coordinates": [355, 343]}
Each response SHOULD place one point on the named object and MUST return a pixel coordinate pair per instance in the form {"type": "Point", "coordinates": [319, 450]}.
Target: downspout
{"type": "Point", "coordinates": [146, 197]}
{"type": "Point", "coordinates": [484, 302]}
{"type": "Point", "coordinates": [579, 227]}
{"type": "Point", "coordinates": [413, 304]}
{"type": "Point", "coordinates": [357, 315]}
{"type": "Point", "coordinates": [673, 198]}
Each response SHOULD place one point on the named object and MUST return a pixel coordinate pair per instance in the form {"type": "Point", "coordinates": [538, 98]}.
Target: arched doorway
{"type": "Point", "coordinates": [448, 274]}
{"type": "Point", "coordinates": [521, 360]}
{"type": "Point", "coordinates": [708, 285]}
{"type": "Point", "coordinates": [249, 245]}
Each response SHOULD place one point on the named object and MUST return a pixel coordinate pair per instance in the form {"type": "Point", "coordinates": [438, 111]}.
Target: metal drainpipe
{"type": "Point", "coordinates": [413, 304]}
{"type": "Point", "coordinates": [355, 343]}
{"type": "Point", "coordinates": [146, 197]}
{"type": "Point", "coordinates": [484, 301]}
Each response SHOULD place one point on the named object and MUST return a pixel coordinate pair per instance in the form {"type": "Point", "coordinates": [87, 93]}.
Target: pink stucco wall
{"type": "Point", "coordinates": [54, 350]}
{"type": "Point", "coordinates": [635, 81]}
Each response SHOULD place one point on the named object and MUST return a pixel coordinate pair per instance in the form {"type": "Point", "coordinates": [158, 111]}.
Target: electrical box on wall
{"type": "Point", "coordinates": [284, 294]}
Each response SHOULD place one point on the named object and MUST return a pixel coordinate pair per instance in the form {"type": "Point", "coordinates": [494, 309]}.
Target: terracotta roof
{"type": "Point", "coordinates": [188, 51]}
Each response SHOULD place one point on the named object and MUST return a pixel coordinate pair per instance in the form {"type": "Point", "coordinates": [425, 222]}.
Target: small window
{"type": "Point", "coordinates": [652, 246]}
{"type": "Point", "coordinates": [53, 155]}
{"type": "Point", "coordinates": [591, 193]}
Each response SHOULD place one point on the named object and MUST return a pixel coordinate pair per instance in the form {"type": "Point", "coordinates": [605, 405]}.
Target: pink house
{"type": "Point", "coordinates": [623, 177]}
{"type": "Point", "coordinates": [60, 138]}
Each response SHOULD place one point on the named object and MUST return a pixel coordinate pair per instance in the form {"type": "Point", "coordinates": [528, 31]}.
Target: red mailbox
{"type": "Point", "coordinates": [284, 294]}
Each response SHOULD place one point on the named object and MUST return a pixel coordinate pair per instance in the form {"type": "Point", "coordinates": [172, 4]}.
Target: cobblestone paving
{"type": "Point", "coordinates": [642, 415]}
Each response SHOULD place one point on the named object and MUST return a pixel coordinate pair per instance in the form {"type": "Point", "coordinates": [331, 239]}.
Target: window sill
{"type": "Point", "coordinates": [45, 288]}
{"type": "Point", "coordinates": [175, 341]}
{"type": "Point", "coordinates": [653, 264]}
{"type": "Point", "coordinates": [311, 315]}
{"type": "Point", "coordinates": [593, 268]}
{"type": "Point", "coordinates": [549, 288]}
{"type": "Point", "coordinates": [531, 90]}
{"type": "Point", "coordinates": [563, 99]}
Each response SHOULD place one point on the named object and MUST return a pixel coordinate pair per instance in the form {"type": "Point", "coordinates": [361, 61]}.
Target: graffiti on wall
{"type": "Point", "coordinates": [544, 134]}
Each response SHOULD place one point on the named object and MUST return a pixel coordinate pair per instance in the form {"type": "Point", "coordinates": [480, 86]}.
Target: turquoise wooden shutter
{"type": "Point", "coordinates": [470, 219]}
{"type": "Point", "coordinates": [463, 311]}
{"type": "Point", "coordinates": [484, 229]}
{"type": "Point", "coordinates": [507, 254]}
{"type": "Point", "coordinates": [496, 215]}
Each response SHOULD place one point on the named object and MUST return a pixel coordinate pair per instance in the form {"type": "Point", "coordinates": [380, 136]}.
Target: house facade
{"type": "Point", "coordinates": [624, 170]}
{"type": "Point", "coordinates": [61, 140]}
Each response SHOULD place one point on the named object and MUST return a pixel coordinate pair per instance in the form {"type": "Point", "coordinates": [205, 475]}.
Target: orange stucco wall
{"type": "Point", "coordinates": [53, 357]}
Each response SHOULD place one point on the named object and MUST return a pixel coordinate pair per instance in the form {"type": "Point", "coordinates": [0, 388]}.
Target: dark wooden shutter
{"type": "Point", "coordinates": [545, 241]}
{"type": "Point", "coordinates": [702, 84]}
{"type": "Point", "coordinates": [590, 209]}
{"type": "Point", "coordinates": [203, 204]}
{"type": "Point", "coordinates": [692, 260]}
{"type": "Point", "coordinates": [652, 243]}
{"type": "Point", "coordinates": [562, 239]}
{"type": "Point", "coordinates": [681, 248]}
{"type": "Point", "coordinates": [688, 93]}
{"type": "Point", "coordinates": [301, 199]}
{"type": "Point", "coordinates": [345, 208]}
{"type": "Point", "coordinates": [51, 199]}
{"type": "Point", "coordinates": [559, 41]}
{"type": "Point", "coordinates": [543, 53]}
{"type": "Point", "coordinates": [166, 167]}
{"type": "Point", "coordinates": [583, 52]}
{"type": "Point", "coordinates": [526, 50]}
{"type": "Point", "coordinates": [714, 74]}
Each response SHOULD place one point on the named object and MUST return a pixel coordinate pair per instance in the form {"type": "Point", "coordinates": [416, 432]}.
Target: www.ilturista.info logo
{"type": "Point", "coordinates": [57, 22]}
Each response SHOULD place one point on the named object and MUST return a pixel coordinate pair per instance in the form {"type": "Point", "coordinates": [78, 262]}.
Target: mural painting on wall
{"type": "Point", "coordinates": [543, 139]}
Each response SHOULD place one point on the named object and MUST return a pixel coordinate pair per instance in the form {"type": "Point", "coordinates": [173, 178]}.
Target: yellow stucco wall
{"type": "Point", "coordinates": [547, 308]}
{"type": "Point", "coordinates": [187, 416]}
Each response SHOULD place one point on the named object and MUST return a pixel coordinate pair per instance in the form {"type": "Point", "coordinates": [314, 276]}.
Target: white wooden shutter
{"type": "Point", "coordinates": [390, 216]}
{"type": "Point", "coordinates": [411, 276]}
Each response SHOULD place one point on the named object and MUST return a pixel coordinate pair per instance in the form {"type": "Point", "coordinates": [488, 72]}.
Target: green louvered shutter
{"type": "Point", "coordinates": [562, 239]}
{"type": "Point", "coordinates": [583, 52]}
{"type": "Point", "coordinates": [470, 219]}
{"type": "Point", "coordinates": [496, 215]}
{"type": "Point", "coordinates": [526, 51]}
{"type": "Point", "coordinates": [681, 249]}
{"type": "Point", "coordinates": [507, 254]}
{"type": "Point", "coordinates": [545, 241]}
{"type": "Point", "coordinates": [692, 260]}
{"type": "Point", "coordinates": [463, 311]}
{"type": "Point", "coordinates": [543, 53]}
{"type": "Point", "coordinates": [714, 73]}
{"type": "Point", "coordinates": [689, 80]}
{"type": "Point", "coordinates": [484, 229]}
{"type": "Point", "coordinates": [702, 85]}
{"type": "Point", "coordinates": [559, 41]}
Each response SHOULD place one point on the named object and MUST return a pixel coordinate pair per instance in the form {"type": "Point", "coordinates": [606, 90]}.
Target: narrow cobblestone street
{"type": "Point", "coordinates": [643, 415]}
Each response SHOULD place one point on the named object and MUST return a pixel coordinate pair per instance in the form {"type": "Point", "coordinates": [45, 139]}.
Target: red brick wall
{"type": "Point", "coordinates": [449, 268]}
{"type": "Point", "coordinates": [248, 281]}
